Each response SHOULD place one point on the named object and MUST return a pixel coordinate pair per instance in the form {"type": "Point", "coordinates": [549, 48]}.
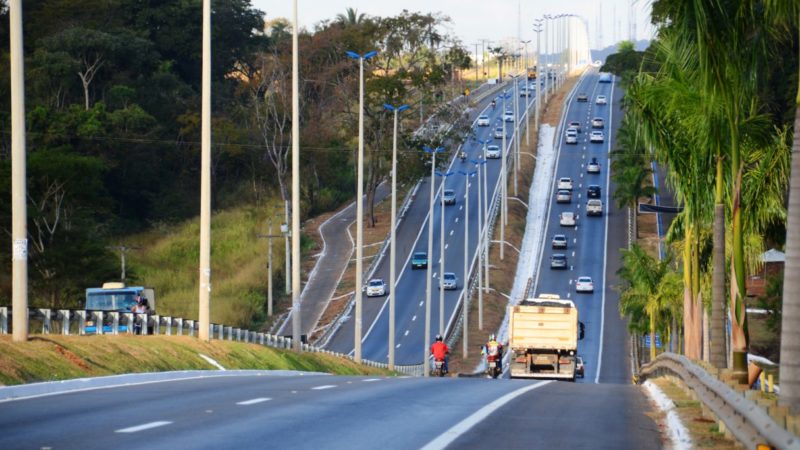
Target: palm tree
{"type": "Point", "coordinates": [351, 17]}
{"type": "Point", "coordinates": [630, 172]}
{"type": "Point", "coordinates": [786, 16]}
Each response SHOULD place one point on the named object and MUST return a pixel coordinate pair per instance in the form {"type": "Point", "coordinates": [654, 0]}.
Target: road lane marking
{"type": "Point", "coordinates": [323, 387]}
{"type": "Point", "coordinates": [422, 303]}
{"type": "Point", "coordinates": [456, 222]}
{"type": "Point", "coordinates": [460, 208]}
{"type": "Point", "coordinates": [452, 231]}
{"type": "Point", "coordinates": [144, 426]}
{"type": "Point", "coordinates": [414, 318]}
{"type": "Point", "coordinates": [369, 380]}
{"type": "Point", "coordinates": [446, 245]}
{"type": "Point", "coordinates": [406, 333]}
{"type": "Point", "coordinates": [398, 345]}
{"type": "Point", "coordinates": [254, 401]}
{"type": "Point", "coordinates": [449, 436]}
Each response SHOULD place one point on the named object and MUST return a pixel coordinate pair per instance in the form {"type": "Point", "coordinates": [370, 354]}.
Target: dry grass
{"type": "Point", "coordinates": [703, 430]}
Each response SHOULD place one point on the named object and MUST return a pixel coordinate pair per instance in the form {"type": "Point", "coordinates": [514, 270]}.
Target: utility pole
{"type": "Point", "coordinates": [429, 275]}
{"type": "Point", "coordinates": [269, 237]}
{"type": "Point", "coordinates": [537, 28]}
{"type": "Point", "coordinates": [205, 181]}
{"type": "Point", "coordinates": [122, 249]}
{"type": "Point", "coordinates": [19, 212]}
{"type": "Point", "coordinates": [296, 331]}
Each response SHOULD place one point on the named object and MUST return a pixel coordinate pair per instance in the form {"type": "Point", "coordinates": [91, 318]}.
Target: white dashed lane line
{"type": "Point", "coordinates": [369, 380]}
{"type": "Point", "coordinates": [323, 387]}
{"type": "Point", "coordinates": [144, 426]}
{"type": "Point", "coordinates": [254, 401]}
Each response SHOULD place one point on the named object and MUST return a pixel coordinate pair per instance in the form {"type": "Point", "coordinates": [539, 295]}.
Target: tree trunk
{"type": "Point", "coordinates": [790, 333]}
{"type": "Point", "coordinates": [737, 307]}
{"type": "Point", "coordinates": [652, 337]}
{"type": "Point", "coordinates": [718, 341]}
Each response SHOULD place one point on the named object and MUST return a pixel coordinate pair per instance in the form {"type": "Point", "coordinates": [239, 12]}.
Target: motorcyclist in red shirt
{"type": "Point", "coordinates": [439, 350]}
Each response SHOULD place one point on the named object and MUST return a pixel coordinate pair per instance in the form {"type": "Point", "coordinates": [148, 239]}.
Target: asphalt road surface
{"type": "Point", "coordinates": [330, 412]}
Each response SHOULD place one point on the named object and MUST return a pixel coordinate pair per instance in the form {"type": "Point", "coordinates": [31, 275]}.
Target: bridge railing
{"type": "Point", "coordinates": [745, 419]}
{"type": "Point", "coordinates": [75, 322]}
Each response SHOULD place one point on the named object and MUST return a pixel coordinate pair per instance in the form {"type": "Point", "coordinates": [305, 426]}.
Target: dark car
{"type": "Point", "coordinates": [593, 191]}
{"type": "Point", "coordinates": [419, 260]}
{"type": "Point", "coordinates": [558, 261]}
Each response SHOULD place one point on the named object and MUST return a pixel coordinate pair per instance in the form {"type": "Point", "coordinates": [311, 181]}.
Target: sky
{"type": "Point", "coordinates": [493, 20]}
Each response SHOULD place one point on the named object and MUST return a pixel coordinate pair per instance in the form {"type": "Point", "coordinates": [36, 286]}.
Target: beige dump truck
{"type": "Point", "coordinates": [543, 338]}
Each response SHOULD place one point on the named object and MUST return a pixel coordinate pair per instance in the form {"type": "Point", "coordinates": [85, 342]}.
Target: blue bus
{"type": "Point", "coordinates": [115, 297]}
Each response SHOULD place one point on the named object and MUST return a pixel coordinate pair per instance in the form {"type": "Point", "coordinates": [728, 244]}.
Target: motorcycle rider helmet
{"type": "Point", "coordinates": [491, 337]}
{"type": "Point", "coordinates": [439, 337]}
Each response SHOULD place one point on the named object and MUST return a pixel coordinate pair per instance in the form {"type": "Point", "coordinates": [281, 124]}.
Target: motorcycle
{"type": "Point", "coordinates": [494, 103]}
{"type": "Point", "coordinates": [438, 368]}
{"type": "Point", "coordinates": [463, 155]}
{"type": "Point", "coordinates": [494, 366]}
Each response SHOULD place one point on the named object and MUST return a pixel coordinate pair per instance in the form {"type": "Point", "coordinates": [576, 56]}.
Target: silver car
{"type": "Point", "coordinates": [571, 136]}
{"type": "Point", "coordinates": [376, 288]}
{"type": "Point", "coordinates": [483, 120]}
{"type": "Point", "coordinates": [563, 196]}
{"type": "Point", "coordinates": [449, 281]}
{"type": "Point", "coordinates": [598, 122]}
{"type": "Point", "coordinates": [493, 152]}
{"type": "Point", "coordinates": [596, 136]}
{"type": "Point", "coordinates": [449, 197]}
{"type": "Point", "coordinates": [498, 133]}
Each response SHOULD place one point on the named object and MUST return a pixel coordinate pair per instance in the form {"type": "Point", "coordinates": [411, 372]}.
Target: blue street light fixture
{"type": "Point", "coordinates": [465, 276]}
{"type": "Point", "coordinates": [393, 237]}
{"type": "Point", "coordinates": [426, 360]}
{"type": "Point", "coordinates": [359, 199]}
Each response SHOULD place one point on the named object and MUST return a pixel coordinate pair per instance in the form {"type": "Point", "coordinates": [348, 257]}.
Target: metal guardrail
{"type": "Point", "coordinates": [748, 422]}
{"type": "Point", "coordinates": [73, 321]}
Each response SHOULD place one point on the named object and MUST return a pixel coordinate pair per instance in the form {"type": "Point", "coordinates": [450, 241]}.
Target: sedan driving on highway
{"type": "Point", "coordinates": [594, 207]}
{"type": "Point", "coordinates": [597, 136]}
{"type": "Point", "coordinates": [565, 183]}
{"type": "Point", "coordinates": [483, 120]}
{"type": "Point", "coordinates": [449, 197]}
{"type": "Point", "coordinates": [571, 136]}
{"type": "Point", "coordinates": [498, 133]}
{"type": "Point", "coordinates": [493, 152]}
{"type": "Point", "coordinates": [563, 196]}
{"type": "Point", "coordinates": [558, 261]}
{"type": "Point", "coordinates": [566, 219]}
{"type": "Point", "coordinates": [601, 100]}
{"type": "Point", "coordinates": [584, 284]}
{"type": "Point", "coordinates": [582, 97]}
{"type": "Point", "coordinates": [376, 288]}
{"type": "Point", "coordinates": [575, 124]}
{"type": "Point", "coordinates": [559, 241]}
{"type": "Point", "coordinates": [449, 281]}
{"type": "Point", "coordinates": [593, 191]}
{"type": "Point", "coordinates": [598, 122]}
{"type": "Point", "coordinates": [508, 116]}
{"type": "Point", "coordinates": [593, 166]}
{"type": "Point", "coordinates": [419, 260]}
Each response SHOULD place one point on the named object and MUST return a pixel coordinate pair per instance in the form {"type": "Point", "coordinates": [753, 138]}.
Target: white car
{"type": "Point", "coordinates": [601, 100]}
{"type": "Point", "coordinates": [597, 136]}
{"type": "Point", "coordinates": [449, 281]}
{"type": "Point", "coordinates": [593, 166]}
{"type": "Point", "coordinates": [498, 133]}
{"type": "Point", "coordinates": [594, 207]}
{"type": "Point", "coordinates": [483, 120]}
{"type": "Point", "coordinates": [493, 152]}
{"type": "Point", "coordinates": [508, 116]}
{"type": "Point", "coordinates": [523, 92]}
{"type": "Point", "coordinates": [376, 288]}
{"type": "Point", "coordinates": [571, 136]}
{"type": "Point", "coordinates": [584, 284]}
{"type": "Point", "coordinates": [598, 122]}
{"type": "Point", "coordinates": [565, 183]}
{"type": "Point", "coordinates": [563, 196]}
{"type": "Point", "coordinates": [566, 219]}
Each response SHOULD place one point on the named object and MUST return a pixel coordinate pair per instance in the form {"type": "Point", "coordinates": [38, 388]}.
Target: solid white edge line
{"type": "Point", "coordinates": [145, 426]}
{"type": "Point", "coordinates": [465, 425]}
{"type": "Point", "coordinates": [324, 386]}
{"type": "Point", "coordinates": [253, 401]}
{"type": "Point", "coordinates": [605, 250]}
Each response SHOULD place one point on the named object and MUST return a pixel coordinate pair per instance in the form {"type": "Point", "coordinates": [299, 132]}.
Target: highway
{"type": "Point", "coordinates": [263, 410]}
{"type": "Point", "coordinates": [594, 241]}
{"type": "Point", "coordinates": [413, 236]}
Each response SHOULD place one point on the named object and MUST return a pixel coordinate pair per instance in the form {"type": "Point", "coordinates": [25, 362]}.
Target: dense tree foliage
{"type": "Point", "coordinates": [113, 118]}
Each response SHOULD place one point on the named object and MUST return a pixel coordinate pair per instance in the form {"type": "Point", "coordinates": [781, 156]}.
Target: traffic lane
{"type": "Point", "coordinates": [568, 415]}
{"type": "Point", "coordinates": [79, 419]}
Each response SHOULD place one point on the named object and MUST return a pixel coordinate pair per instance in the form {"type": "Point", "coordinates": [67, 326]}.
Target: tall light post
{"type": "Point", "coordinates": [528, 92]}
{"type": "Point", "coordinates": [204, 315]}
{"type": "Point", "coordinates": [360, 199]}
{"type": "Point", "coordinates": [478, 163]}
{"type": "Point", "coordinates": [441, 252]}
{"type": "Point", "coordinates": [503, 182]}
{"type": "Point", "coordinates": [19, 208]}
{"type": "Point", "coordinates": [546, 62]}
{"type": "Point", "coordinates": [269, 237]}
{"type": "Point", "coordinates": [426, 364]}
{"type": "Point", "coordinates": [465, 277]}
{"type": "Point", "coordinates": [393, 237]}
{"type": "Point", "coordinates": [537, 28]}
{"type": "Point", "coordinates": [296, 331]}
{"type": "Point", "coordinates": [516, 133]}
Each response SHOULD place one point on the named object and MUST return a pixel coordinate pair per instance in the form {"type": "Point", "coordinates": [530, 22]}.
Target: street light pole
{"type": "Point", "coordinates": [537, 28]}
{"type": "Point", "coordinates": [478, 164]}
{"type": "Point", "coordinates": [359, 201]}
{"type": "Point", "coordinates": [205, 180]}
{"type": "Point", "coordinates": [19, 208]}
{"type": "Point", "coordinates": [296, 324]}
{"type": "Point", "coordinates": [393, 237]}
{"type": "Point", "coordinates": [429, 274]}
{"type": "Point", "coordinates": [465, 278]}
{"type": "Point", "coordinates": [441, 253]}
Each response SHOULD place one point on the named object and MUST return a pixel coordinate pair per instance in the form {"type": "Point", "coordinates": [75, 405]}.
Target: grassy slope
{"type": "Point", "coordinates": [168, 261]}
{"type": "Point", "coordinates": [51, 357]}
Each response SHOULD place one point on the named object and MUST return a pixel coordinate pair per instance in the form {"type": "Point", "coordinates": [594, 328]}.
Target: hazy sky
{"type": "Point", "coordinates": [474, 20]}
